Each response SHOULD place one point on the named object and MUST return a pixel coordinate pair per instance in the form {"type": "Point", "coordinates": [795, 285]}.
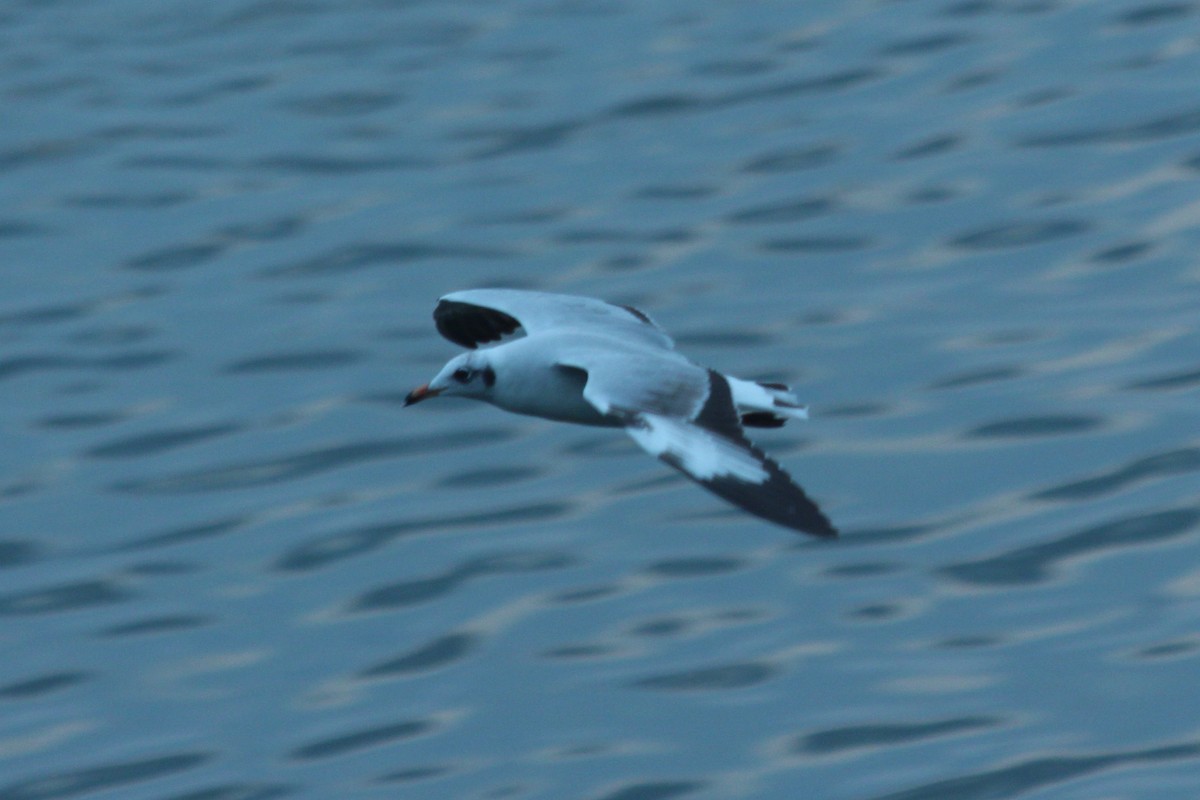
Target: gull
{"type": "Point", "coordinates": [590, 362]}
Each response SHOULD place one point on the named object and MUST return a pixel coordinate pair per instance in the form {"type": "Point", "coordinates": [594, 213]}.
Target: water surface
{"type": "Point", "coordinates": [232, 567]}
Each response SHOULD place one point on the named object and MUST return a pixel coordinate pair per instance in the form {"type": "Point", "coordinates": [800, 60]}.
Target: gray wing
{"type": "Point", "coordinates": [684, 415]}
{"type": "Point", "coordinates": [477, 316]}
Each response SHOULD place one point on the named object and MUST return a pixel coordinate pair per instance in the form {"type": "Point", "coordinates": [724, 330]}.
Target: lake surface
{"type": "Point", "coordinates": [232, 567]}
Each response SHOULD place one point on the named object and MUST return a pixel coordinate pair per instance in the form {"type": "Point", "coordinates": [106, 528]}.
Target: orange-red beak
{"type": "Point", "coordinates": [420, 393]}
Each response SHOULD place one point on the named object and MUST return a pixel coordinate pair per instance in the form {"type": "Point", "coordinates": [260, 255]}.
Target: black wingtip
{"type": "Point", "coordinates": [789, 505]}
{"type": "Point", "coordinates": [470, 325]}
{"type": "Point", "coordinates": [778, 499]}
{"type": "Point", "coordinates": [825, 531]}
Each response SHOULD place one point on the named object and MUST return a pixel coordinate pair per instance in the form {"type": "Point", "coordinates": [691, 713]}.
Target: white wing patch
{"type": "Point", "coordinates": [702, 454]}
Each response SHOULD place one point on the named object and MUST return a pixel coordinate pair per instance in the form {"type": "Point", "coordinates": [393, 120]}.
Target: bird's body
{"type": "Point", "coordinates": [537, 386]}
{"type": "Point", "coordinates": [593, 363]}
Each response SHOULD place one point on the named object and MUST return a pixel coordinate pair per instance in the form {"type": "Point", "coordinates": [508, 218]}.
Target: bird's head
{"type": "Point", "coordinates": [467, 375]}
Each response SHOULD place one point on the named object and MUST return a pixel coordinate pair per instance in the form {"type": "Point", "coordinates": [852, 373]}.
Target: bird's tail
{"type": "Point", "coordinates": [766, 405]}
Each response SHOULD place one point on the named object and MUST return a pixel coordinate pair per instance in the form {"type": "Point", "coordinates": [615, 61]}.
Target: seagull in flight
{"type": "Point", "coordinates": [590, 362]}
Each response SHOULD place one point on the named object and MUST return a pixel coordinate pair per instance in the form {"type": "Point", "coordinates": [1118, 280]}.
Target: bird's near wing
{"type": "Point", "coordinates": [477, 316]}
{"type": "Point", "coordinates": [689, 421]}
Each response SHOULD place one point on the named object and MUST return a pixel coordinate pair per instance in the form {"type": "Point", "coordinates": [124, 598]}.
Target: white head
{"type": "Point", "coordinates": [467, 375]}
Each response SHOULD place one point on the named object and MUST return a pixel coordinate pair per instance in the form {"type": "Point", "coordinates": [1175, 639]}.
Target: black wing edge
{"type": "Point", "coordinates": [471, 325]}
{"type": "Point", "coordinates": [641, 315]}
{"type": "Point", "coordinates": [777, 499]}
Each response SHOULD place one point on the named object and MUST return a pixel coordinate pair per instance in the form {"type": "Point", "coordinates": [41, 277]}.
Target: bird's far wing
{"type": "Point", "coordinates": [705, 442]}
{"type": "Point", "coordinates": [478, 316]}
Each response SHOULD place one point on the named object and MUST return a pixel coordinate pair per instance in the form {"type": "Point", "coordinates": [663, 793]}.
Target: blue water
{"type": "Point", "coordinates": [232, 567]}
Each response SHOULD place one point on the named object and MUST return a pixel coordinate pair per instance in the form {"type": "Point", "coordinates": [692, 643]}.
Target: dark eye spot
{"type": "Point", "coordinates": [462, 375]}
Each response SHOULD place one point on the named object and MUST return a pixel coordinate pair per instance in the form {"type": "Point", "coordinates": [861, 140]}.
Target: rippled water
{"type": "Point", "coordinates": [231, 566]}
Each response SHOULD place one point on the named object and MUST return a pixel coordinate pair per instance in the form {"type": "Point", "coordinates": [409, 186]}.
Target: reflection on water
{"type": "Point", "coordinates": [838, 740]}
{"type": "Point", "coordinates": [1039, 773]}
{"type": "Point", "coordinates": [337, 546]}
{"type": "Point", "coordinates": [233, 567]}
{"type": "Point", "coordinates": [1033, 563]}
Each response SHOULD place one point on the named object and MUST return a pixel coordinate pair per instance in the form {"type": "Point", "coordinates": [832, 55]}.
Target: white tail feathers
{"type": "Point", "coordinates": [765, 405]}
